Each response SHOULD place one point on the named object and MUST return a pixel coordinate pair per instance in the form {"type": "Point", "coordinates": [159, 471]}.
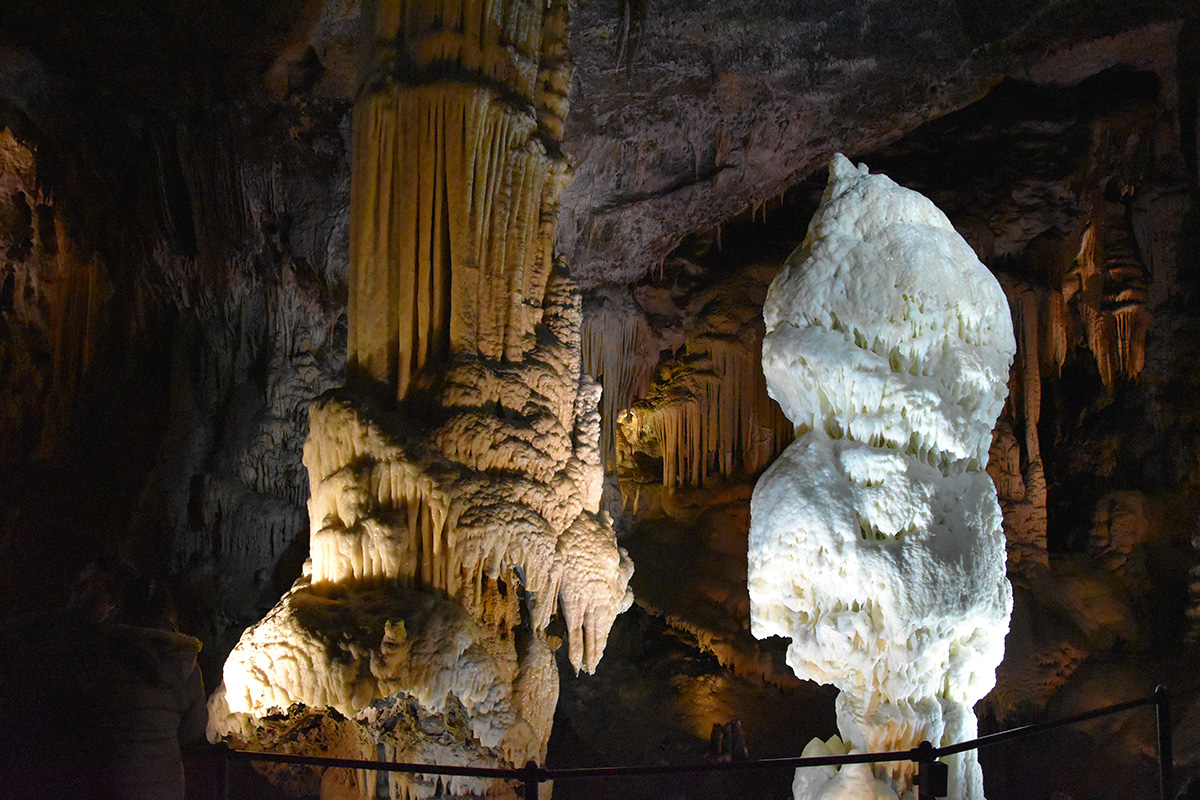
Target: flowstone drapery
{"type": "Point", "coordinates": [875, 538]}
{"type": "Point", "coordinates": [455, 485]}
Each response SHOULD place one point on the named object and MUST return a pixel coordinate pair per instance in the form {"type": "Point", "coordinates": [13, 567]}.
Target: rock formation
{"type": "Point", "coordinates": [1015, 464]}
{"type": "Point", "coordinates": [701, 412]}
{"type": "Point", "coordinates": [1111, 283]}
{"type": "Point", "coordinates": [875, 538]}
{"type": "Point", "coordinates": [455, 486]}
{"type": "Point", "coordinates": [175, 187]}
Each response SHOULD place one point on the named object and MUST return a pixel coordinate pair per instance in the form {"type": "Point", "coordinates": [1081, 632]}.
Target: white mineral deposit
{"type": "Point", "coordinates": [875, 538]}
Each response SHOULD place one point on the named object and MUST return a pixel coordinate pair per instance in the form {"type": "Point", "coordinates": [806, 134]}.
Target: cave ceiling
{"type": "Point", "coordinates": [684, 114]}
{"type": "Point", "coordinates": [183, 170]}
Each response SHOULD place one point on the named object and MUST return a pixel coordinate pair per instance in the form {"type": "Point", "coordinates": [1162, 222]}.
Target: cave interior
{"type": "Point", "coordinates": [175, 274]}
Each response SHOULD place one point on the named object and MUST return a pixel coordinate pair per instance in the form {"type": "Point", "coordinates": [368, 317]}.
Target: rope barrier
{"type": "Point", "coordinates": [931, 775]}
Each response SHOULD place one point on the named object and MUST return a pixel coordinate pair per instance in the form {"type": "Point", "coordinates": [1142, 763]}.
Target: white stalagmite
{"type": "Point", "coordinates": [452, 512]}
{"type": "Point", "coordinates": [875, 539]}
{"type": "Point", "coordinates": [411, 538]}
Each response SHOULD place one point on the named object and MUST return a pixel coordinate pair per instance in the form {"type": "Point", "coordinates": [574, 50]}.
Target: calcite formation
{"type": "Point", "coordinates": [875, 539]}
{"type": "Point", "coordinates": [1015, 463]}
{"type": "Point", "coordinates": [456, 181]}
{"type": "Point", "coordinates": [684, 404]}
{"type": "Point", "coordinates": [1110, 282]}
{"type": "Point", "coordinates": [455, 485]}
{"type": "Point", "coordinates": [52, 299]}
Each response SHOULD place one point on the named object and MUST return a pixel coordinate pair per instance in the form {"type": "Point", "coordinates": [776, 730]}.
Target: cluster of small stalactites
{"type": "Point", "coordinates": [1110, 283]}
{"type": "Point", "coordinates": [455, 183]}
{"type": "Point", "coordinates": [704, 412]}
{"type": "Point", "coordinates": [708, 418]}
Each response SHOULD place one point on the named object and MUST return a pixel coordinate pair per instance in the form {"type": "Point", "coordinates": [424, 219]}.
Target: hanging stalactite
{"type": "Point", "coordinates": [1039, 324]}
{"type": "Point", "coordinates": [1111, 284]}
{"type": "Point", "coordinates": [451, 257]}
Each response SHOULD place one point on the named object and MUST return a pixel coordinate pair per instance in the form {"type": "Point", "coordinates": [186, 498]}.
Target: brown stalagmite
{"type": "Point", "coordinates": [1040, 328]}
{"type": "Point", "coordinates": [422, 523]}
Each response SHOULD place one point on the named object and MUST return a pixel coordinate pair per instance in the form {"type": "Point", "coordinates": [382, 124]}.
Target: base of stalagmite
{"type": "Point", "coordinates": [440, 548]}
{"type": "Point", "coordinates": [385, 672]}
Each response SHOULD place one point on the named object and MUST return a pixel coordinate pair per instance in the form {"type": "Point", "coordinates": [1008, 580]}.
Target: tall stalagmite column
{"type": "Point", "coordinates": [455, 484]}
{"type": "Point", "coordinates": [875, 538]}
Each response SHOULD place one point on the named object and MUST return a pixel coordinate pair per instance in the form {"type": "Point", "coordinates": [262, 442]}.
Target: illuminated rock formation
{"type": "Point", "coordinates": [1015, 461]}
{"type": "Point", "coordinates": [455, 487]}
{"type": "Point", "coordinates": [621, 351]}
{"type": "Point", "coordinates": [1110, 282]}
{"type": "Point", "coordinates": [707, 416]}
{"type": "Point", "coordinates": [455, 182]}
{"type": "Point", "coordinates": [875, 539]}
{"type": "Point", "coordinates": [684, 402]}
{"type": "Point", "coordinates": [48, 287]}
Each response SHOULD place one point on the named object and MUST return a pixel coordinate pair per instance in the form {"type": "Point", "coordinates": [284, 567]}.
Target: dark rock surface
{"type": "Point", "coordinates": [721, 110]}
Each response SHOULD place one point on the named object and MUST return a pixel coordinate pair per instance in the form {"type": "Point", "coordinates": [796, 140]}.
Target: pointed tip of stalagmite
{"type": "Point", "coordinates": [842, 169]}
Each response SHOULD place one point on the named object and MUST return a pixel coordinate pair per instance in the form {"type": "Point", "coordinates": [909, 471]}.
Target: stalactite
{"type": "Point", "coordinates": [1110, 280]}
{"type": "Point", "coordinates": [1157, 238]}
{"type": "Point", "coordinates": [453, 257]}
{"type": "Point", "coordinates": [1039, 325]}
{"type": "Point", "coordinates": [707, 421]}
{"type": "Point", "coordinates": [617, 351]}
{"type": "Point", "coordinates": [451, 538]}
{"type": "Point", "coordinates": [220, 217]}
{"type": "Point", "coordinates": [407, 310]}
{"type": "Point", "coordinates": [76, 292]}
{"type": "Point", "coordinates": [707, 414]}
{"type": "Point", "coordinates": [744, 428]}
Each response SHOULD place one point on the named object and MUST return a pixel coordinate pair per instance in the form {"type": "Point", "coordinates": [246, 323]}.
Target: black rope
{"type": "Point", "coordinates": [532, 771]}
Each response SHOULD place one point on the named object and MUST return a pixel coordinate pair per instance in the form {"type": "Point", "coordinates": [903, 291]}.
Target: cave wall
{"type": "Point", "coordinates": [160, 382]}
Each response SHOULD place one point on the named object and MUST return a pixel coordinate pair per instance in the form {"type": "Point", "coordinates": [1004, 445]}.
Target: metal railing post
{"type": "Point", "coordinates": [530, 778]}
{"type": "Point", "coordinates": [1166, 754]}
{"type": "Point", "coordinates": [932, 775]}
{"type": "Point", "coordinates": [924, 762]}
